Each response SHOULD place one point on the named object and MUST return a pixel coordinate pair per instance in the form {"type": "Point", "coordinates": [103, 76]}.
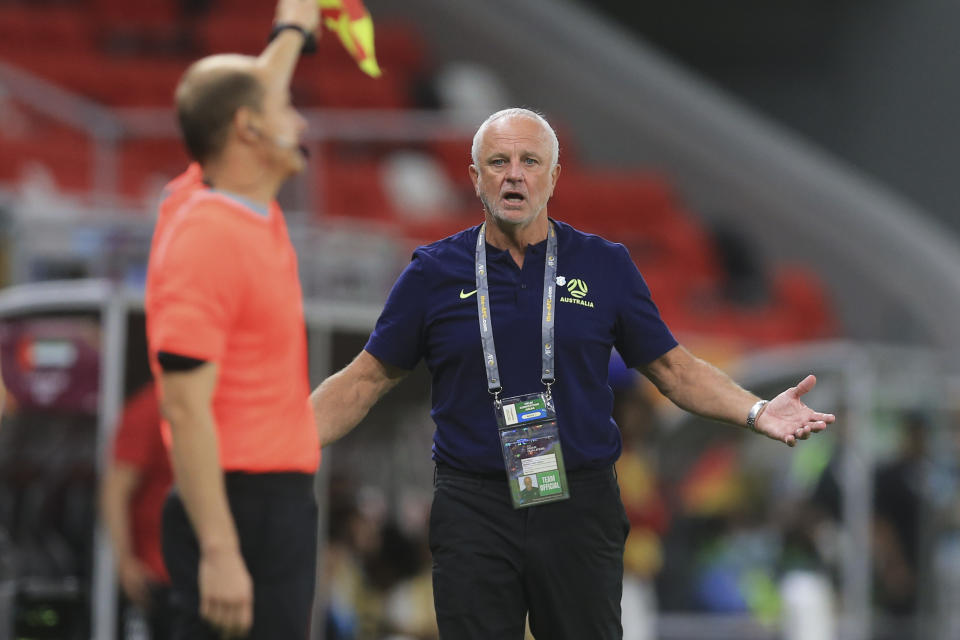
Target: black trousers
{"type": "Point", "coordinates": [562, 562]}
{"type": "Point", "coordinates": [276, 519]}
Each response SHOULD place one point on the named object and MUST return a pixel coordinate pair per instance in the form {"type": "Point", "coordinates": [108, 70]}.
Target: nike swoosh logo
{"type": "Point", "coordinates": [464, 296]}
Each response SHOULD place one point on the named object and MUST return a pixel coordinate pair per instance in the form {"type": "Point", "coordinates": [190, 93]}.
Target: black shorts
{"type": "Point", "coordinates": [276, 519]}
{"type": "Point", "coordinates": [562, 562]}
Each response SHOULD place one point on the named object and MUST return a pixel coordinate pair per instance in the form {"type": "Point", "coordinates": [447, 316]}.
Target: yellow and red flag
{"type": "Point", "coordinates": [351, 21]}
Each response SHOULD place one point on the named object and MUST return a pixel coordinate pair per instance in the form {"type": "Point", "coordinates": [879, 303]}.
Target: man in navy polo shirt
{"type": "Point", "coordinates": [524, 305]}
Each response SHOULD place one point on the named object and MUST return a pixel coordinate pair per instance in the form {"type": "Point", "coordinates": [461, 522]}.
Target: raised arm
{"type": "Point", "coordinates": [226, 589]}
{"type": "Point", "coordinates": [280, 57]}
{"type": "Point", "coordinates": [698, 387]}
{"type": "Point", "coordinates": [342, 400]}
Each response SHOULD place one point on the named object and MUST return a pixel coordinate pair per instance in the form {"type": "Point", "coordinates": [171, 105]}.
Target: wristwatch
{"type": "Point", "coordinates": [755, 411]}
{"type": "Point", "coordinates": [309, 39]}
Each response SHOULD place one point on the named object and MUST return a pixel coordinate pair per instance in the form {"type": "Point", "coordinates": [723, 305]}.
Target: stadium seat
{"type": "Point", "coordinates": [346, 88]}
{"type": "Point", "coordinates": [453, 154]}
{"type": "Point", "coordinates": [107, 80]}
{"type": "Point", "coordinates": [676, 253]}
{"type": "Point", "coordinates": [805, 305]}
{"type": "Point", "coordinates": [139, 15]}
{"type": "Point", "coordinates": [603, 200]}
{"type": "Point", "coordinates": [231, 33]}
{"type": "Point", "coordinates": [22, 26]}
{"type": "Point", "coordinates": [146, 165]}
{"type": "Point", "coordinates": [67, 159]}
{"type": "Point", "coordinates": [353, 190]}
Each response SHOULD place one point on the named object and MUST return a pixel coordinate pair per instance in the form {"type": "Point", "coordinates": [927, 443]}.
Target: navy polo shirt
{"type": "Point", "coordinates": [602, 302]}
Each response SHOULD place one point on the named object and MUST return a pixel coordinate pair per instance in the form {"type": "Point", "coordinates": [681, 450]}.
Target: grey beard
{"type": "Point", "coordinates": [498, 215]}
{"type": "Point", "coordinates": [489, 208]}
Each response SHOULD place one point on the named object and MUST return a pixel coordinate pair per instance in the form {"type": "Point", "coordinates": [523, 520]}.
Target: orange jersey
{"type": "Point", "coordinates": [175, 193]}
{"type": "Point", "coordinates": [222, 286]}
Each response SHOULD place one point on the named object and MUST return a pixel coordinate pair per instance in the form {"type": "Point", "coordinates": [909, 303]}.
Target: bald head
{"type": "Point", "coordinates": [517, 112]}
{"type": "Point", "coordinates": [208, 97]}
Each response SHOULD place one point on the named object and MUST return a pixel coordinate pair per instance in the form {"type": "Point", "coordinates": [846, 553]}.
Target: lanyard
{"type": "Point", "coordinates": [547, 319]}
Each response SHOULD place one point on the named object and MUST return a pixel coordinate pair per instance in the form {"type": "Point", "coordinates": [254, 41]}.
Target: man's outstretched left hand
{"type": "Point", "coordinates": [787, 419]}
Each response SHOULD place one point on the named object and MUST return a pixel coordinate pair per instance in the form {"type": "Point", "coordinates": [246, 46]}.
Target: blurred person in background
{"type": "Point", "coordinates": [642, 496]}
{"type": "Point", "coordinates": [227, 345]}
{"type": "Point", "coordinates": [899, 502]}
{"type": "Point", "coordinates": [135, 485]}
{"type": "Point", "coordinates": [945, 549]}
{"type": "Point", "coordinates": [562, 562]}
{"type": "Point", "coordinates": [898, 518]}
{"type": "Point", "coordinates": [376, 580]}
{"type": "Point", "coordinates": [354, 539]}
{"type": "Point", "coordinates": [408, 606]}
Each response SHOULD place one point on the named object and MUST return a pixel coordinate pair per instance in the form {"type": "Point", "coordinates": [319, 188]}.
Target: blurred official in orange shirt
{"type": "Point", "coordinates": [228, 345]}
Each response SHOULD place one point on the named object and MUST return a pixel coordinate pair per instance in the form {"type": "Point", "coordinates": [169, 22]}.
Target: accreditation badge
{"type": "Point", "coordinates": [530, 442]}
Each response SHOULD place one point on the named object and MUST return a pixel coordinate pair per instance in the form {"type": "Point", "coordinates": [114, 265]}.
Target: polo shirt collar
{"type": "Point", "coordinates": [259, 209]}
{"type": "Point", "coordinates": [495, 253]}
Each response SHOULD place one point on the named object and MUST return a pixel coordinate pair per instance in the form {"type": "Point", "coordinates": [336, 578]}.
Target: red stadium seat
{"type": "Point", "coordinates": [148, 14]}
{"type": "Point", "coordinates": [800, 295]}
{"type": "Point", "coordinates": [339, 88]}
{"type": "Point", "coordinates": [259, 11]}
{"type": "Point", "coordinates": [232, 33]}
{"type": "Point", "coordinates": [798, 311]}
{"type": "Point", "coordinates": [673, 250]}
{"type": "Point", "coordinates": [23, 26]}
{"type": "Point", "coordinates": [453, 154]}
{"type": "Point", "coordinates": [353, 190]}
{"type": "Point", "coordinates": [612, 200]}
{"type": "Point", "coordinates": [399, 47]}
{"type": "Point", "coordinates": [68, 159]}
{"type": "Point", "coordinates": [148, 164]}
{"type": "Point", "coordinates": [110, 81]}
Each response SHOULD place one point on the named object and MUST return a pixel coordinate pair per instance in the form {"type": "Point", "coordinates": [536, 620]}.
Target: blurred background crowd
{"type": "Point", "coordinates": [781, 173]}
